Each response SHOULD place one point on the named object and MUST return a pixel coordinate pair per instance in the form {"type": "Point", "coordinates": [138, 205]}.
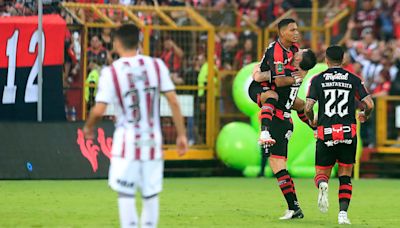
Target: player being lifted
{"type": "Point", "coordinates": [133, 84]}
{"type": "Point", "coordinates": [281, 126]}
{"type": "Point", "coordinates": [336, 91]}
{"type": "Point", "coordinates": [270, 74]}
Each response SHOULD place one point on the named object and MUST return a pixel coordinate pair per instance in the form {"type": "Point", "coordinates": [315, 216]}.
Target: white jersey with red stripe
{"type": "Point", "coordinates": [133, 86]}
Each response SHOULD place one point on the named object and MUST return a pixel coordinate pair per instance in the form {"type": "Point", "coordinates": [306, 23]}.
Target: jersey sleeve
{"type": "Point", "coordinates": [105, 90]}
{"type": "Point", "coordinates": [361, 91]}
{"type": "Point", "coordinates": [165, 78]}
{"type": "Point", "coordinates": [312, 89]}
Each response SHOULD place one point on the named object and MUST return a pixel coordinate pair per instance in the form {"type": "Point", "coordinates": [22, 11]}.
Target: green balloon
{"type": "Point", "coordinates": [237, 145]}
{"type": "Point", "coordinates": [255, 122]}
{"type": "Point", "coordinates": [240, 88]}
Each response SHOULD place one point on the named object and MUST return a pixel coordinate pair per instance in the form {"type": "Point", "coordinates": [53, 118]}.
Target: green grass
{"type": "Point", "coordinates": [197, 202]}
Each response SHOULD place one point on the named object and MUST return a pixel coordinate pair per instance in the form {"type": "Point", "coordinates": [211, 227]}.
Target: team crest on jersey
{"type": "Point", "coordinates": [280, 67]}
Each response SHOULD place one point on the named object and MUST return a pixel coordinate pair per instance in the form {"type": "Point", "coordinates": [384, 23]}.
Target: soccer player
{"type": "Point", "coordinates": [271, 73]}
{"type": "Point", "coordinates": [336, 90]}
{"type": "Point", "coordinates": [281, 129]}
{"type": "Point", "coordinates": [133, 84]}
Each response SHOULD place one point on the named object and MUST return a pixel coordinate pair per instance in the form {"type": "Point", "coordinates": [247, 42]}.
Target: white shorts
{"type": "Point", "coordinates": [126, 175]}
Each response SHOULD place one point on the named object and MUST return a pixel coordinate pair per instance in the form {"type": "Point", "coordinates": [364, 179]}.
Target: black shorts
{"type": "Point", "coordinates": [326, 156]}
{"type": "Point", "coordinates": [281, 130]}
{"type": "Point", "coordinates": [255, 91]}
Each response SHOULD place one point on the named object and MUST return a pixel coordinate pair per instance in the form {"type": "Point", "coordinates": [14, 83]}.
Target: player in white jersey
{"type": "Point", "coordinates": [133, 84]}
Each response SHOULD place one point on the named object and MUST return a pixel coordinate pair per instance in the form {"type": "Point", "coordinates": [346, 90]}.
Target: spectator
{"type": "Point", "coordinates": [106, 39]}
{"type": "Point", "coordinates": [396, 19]}
{"type": "Point", "coordinates": [97, 53]}
{"type": "Point", "coordinates": [382, 84]}
{"type": "Point", "coordinates": [229, 43]}
{"type": "Point", "coordinates": [385, 18]}
{"type": "Point", "coordinates": [277, 8]}
{"type": "Point", "coordinates": [246, 55]}
{"type": "Point", "coordinates": [367, 18]}
{"type": "Point", "coordinates": [172, 55]}
{"type": "Point", "coordinates": [360, 50]}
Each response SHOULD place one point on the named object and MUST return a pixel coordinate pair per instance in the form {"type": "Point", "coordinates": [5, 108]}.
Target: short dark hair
{"type": "Point", "coordinates": [285, 22]}
{"type": "Point", "coordinates": [309, 60]}
{"type": "Point", "coordinates": [335, 54]}
{"type": "Point", "coordinates": [128, 34]}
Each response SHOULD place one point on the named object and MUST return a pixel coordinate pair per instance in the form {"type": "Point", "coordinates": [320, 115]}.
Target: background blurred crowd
{"type": "Point", "coordinates": [371, 36]}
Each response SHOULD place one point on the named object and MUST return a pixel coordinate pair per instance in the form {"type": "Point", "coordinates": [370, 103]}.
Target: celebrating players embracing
{"type": "Point", "coordinates": [133, 84]}
{"type": "Point", "coordinates": [336, 90]}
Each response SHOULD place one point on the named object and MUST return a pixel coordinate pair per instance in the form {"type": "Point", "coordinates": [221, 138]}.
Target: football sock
{"type": "Point", "coordinates": [149, 217]}
{"type": "Point", "coordinates": [345, 190]}
{"type": "Point", "coordinates": [264, 158]}
{"type": "Point", "coordinates": [267, 112]}
{"type": "Point", "coordinates": [302, 116]}
{"type": "Point", "coordinates": [294, 191]}
{"type": "Point", "coordinates": [127, 211]}
{"type": "Point", "coordinates": [286, 186]}
{"type": "Point", "coordinates": [320, 178]}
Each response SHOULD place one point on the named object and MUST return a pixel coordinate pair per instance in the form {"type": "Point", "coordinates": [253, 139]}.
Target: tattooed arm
{"type": "Point", "coordinates": [310, 112]}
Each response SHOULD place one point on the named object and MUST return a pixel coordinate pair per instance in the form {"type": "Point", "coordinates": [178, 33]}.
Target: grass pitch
{"type": "Point", "coordinates": [197, 202]}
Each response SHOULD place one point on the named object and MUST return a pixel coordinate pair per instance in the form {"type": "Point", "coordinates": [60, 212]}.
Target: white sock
{"type": "Point", "coordinates": [149, 218]}
{"type": "Point", "coordinates": [127, 212]}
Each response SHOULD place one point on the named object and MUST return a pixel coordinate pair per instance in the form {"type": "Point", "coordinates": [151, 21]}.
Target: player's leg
{"type": "Point", "coordinates": [127, 210]}
{"type": "Point", "coordinates": [269, 100]}
{"type": "Point", "coordinates": [325, 158]}
{"type": "Point", "coordinates": [264, 158]}
{"type": "Point", "coordinates": [277, 162]}
{"type": "Point", "coordinates": [299, 106]}
{"type": "Point", "coordinates": [123, 179]}
{"type": "Point", "coordinates": [151, 187]}
{"type": "Point", "coordinates": [346, 160]}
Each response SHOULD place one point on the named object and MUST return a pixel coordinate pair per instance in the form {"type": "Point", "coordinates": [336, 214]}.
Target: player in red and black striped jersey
{"type": "Point", "coordinates": [277, 71]}
{"type": "Point", "coordinates": [336, 91]}
{"type": "Point", "coordinates": [279, 79]}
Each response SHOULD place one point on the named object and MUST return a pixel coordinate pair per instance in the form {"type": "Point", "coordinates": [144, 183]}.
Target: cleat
{"type": "Point", "coordinates": [342, 218]}
{"type": "Point", "coordinates": [291, 214]}
{"type": "Point", "coordinates": [323, 202]}
{"type": "Point", "coordinates": [266, 139]}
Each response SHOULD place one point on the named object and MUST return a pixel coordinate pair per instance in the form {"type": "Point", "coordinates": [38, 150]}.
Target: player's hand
{"type": "Point", "coordinates": [88, 132]}
{"type": "Point", "coordinates": [182, 145]}
{"type": "Point", "coordinates": [314, 123]}
{"type": "Point", "coordinates": [362, 117]}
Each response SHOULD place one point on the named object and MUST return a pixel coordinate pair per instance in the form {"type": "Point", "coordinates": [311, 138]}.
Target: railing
{"type": "Point", "coordinates": [387, 124]}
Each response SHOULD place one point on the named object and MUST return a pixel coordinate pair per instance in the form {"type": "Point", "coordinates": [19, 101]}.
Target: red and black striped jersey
{"type": "Point", "coordinates": [336, 91]}
{"type": "Point", "coordinates": [277, 58]}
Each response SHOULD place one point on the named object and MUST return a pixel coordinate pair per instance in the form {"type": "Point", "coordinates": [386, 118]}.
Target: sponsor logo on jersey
{"type": "Point", "coordinates": [344, 129]}
{"type": "Point", "coordinates": [336, 76]}
{"type": "Point", "coordinates": [335, 142]}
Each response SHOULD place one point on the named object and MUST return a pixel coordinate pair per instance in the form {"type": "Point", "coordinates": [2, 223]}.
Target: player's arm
{"type": "Point", "coordinates": [181, 141]}
{"type": "Point", "coordinates": [290, 79]}
{"type": "Point", "coordinates": [312, 97]}
{"type": "Point", "coordinates": [96, 113]}
{"type": "Point", "coordinates": [168, 89]}
{"type": "Point", "coordinates": [260, 76]}
{"type": "Point", "coordinates": [309, 111]}
{"type": "Point", "coordinates": [366, 99]}
{"type": "Point", "coordinates": [369, 105]}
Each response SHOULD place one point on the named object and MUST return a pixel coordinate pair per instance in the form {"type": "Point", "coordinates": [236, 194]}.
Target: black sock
{"type": "Point", "coordinates": [345, 190]}
{"type": "Point", "coordinates": [320, 178]}
{"type": "Point", "coordinates": [264, 158]}
{"type": "Point", "coordinates": [286, 186]}
{"type": "Point", "coordinates": [267, 112]}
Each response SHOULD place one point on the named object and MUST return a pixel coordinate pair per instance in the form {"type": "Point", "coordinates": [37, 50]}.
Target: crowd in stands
{"type": "Point", "coordinates": [371, 37]}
